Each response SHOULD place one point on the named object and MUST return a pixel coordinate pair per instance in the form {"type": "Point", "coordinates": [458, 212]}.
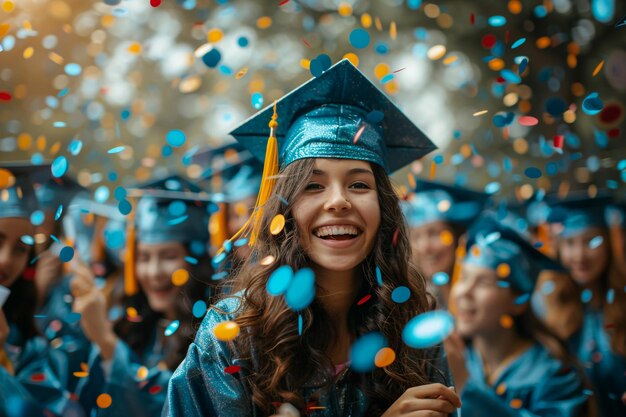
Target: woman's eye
{"type": "Point", "coordinates": [313, 186]}
{"type": "Point", "coordinates": [361, 186]}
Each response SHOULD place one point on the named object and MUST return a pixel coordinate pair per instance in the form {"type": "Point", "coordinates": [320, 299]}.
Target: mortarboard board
{"type": "Point", "coordinates": [578, 212]}
{"type": "Point", "coordinates": [57, 192]}
{"type": "Point", "coordinates": [17, 196]}
{"type": "Point", "coordinates": [491, 244]}
{"type": "Point", "coordinates": [340, 114]}
{"type": "Point", "coordinates": [433, 201]}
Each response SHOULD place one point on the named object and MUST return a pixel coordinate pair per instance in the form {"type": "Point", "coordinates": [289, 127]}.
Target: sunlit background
{"type": "Point", "coordinates": [518, 95]}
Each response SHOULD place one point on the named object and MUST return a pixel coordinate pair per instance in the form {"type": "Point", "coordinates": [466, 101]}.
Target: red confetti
{"type": "Point", "coordinates": [394, 239]}
{"type": "Point", "coordinates": [613, 133]}
{"type": "Point", "coordinates": [528, 121]}
{"type": "Point", "coordinates": [155, 389]}
{"type": "Point", "coordinates": [488, 41]}
{"type": "Point", "coordinates": [306, 43]}
{"type": "Point", "coordinates": [39, 377]}
{"type": "Point", "coordinates": [397, 71]}
{"type": "Point", "coordinates": [358, 134]}
{"type": "Point", "coordinates": [558, 141]}
{"type": "Point", "coordinates": [283, 2]}
{"type": "Point", "coordinates": [611, 113]}
{"type": "Point", "coordinates": [506, 38]}
{"type": "Point", "coordinates": [155, 3]}
{"type": "Point", "coordinates": [472, 18]}
{"type": "Point", "coordinates": [364, 299]}
{"type": "Point", "coordinates": [5, 96]}
{"type": "Point", "coordinates": [232, 369]}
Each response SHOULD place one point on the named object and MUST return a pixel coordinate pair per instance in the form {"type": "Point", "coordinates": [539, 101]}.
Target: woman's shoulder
{"type": "Point", "coordinates": [224, 310]}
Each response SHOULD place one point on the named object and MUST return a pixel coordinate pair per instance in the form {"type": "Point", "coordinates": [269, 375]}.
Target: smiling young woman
{"type": "Point", "coordinates": [339, 139]}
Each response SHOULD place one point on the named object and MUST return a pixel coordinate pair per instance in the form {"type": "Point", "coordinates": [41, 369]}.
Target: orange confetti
{"type": "Point", "coordinates": [598, 68]}
{"type": "Point", "coordinates": [135, 48]}
{"type": "Point", "coordinates": [264, 22]}
{"type": "Point", "coordinates": [241, 73]}
{"type": "Point", "coordinates": [104, 401]}
{"type": "Point", "coordinates": [353, 58]}
{"type": "Point", "coordinates": [433, 170]}
{"type": "Point", "coordinates": [446, 238]}
{"type": "Point", "coordinates": [8, 6]}
{"type": "Point", "coordinates": [28, 52]}
{"type": "Point", "coordinates": [277, 225]}
{"type": "Point", "coordinates": [214, 35]}
{"type": "Point", "coordinates": [516, 403]}
{"type": "Point", "coordinates": [506, 321]}
{"type": "Point", "coordinates": [142, 373]}
{"type": "Point", "coordinates": [501, 389]}
{"type": "Point", "coordinates": [4, 29]}
{"type": "Point", "coordinates": [6, 178]}
{"type": "Point", "coordinates": [503, 270]}
{"type": "Point", "coordinates": [226, 331]}
{"type": "Point", "coordinates": [180, 277]}
{"type": "Point", "coordinates": [385, 357]}
{"type": "Point", "coordinates": [393, 31]}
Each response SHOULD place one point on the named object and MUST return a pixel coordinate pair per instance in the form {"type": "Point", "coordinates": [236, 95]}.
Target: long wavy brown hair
{"type": "Point", "coordinates": [284, 362]}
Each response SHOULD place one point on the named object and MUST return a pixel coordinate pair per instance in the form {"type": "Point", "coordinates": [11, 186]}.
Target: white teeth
{"type": "Point", "coordinates": [336, 230]}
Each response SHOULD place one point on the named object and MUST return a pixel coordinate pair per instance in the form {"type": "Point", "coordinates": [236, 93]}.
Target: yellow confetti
{"type": "Point", "coordinates": [366, 20]}
{"type": "Point", "coordinates": [393, 31]}
{"type": "Point", "coordinates": [24, 141]}
{"type": "Point", "coordinates": [104, 401]}
{"type": "Point", "coordinates": [142, 373]}
{"type": "Point", "coordinates": [344, 9]}
{"type": "Point", "coordinates": [226, 331]}
{"type": "Point", "coordinates": [214, 35]}
{"type": "Point", "coordinates": [264, 22]}
{"type": "Point", "coordinates": [353, 58]}
{"type": "Point", "coordinates": [305, 63]}
{"type": "Point", "coordinates": [480, 113]}
{"type": "Point", "coordinates": [503, 270]}
{"type": "Point", "coordinates": [132, 312]}
{"type": "Point", "coordinates": [598, 68]}
{"type": "Point", "coordinates": [26, 25]}
{"type": "Point", "coordinates": [107, 20]}
{"type": "Point", "coordinates": [268, 260]}
{"type": "Point", "coordinates": [8, 6]}
{"type": "Point", "coordinates": [28, 52]}
{"type": "Point", "coordinates": [134, 48]}
{"type": "Point", "coordinates": [277, 225]}
{"type": "Point", "coordinates": [56, 58]}
{"type": "Point", "coordinates": [446, 238]}
{"type": "Point", "coordinates": [242, 72]}
{"type": "Point", "coordinates": [385, 357]}
{"type": "Point", "coordinates": [180, 277]}
{"type": "Point", "coordinates": [436, 52]}
{"type": "Point", "coordinates": [381, 70]}
{"type": "Point", "coordinates": [450, 59]}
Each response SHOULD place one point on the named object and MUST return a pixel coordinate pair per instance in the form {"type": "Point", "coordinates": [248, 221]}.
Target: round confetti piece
{"type": "Point", "coordinates": [101, 195]}
{"type": "Point", "coordinates": [506, 321]}
{"type": "Point", "coordinates": [232, 369]}
{"type": "Point", "coordinates": [592, 104]}
{"type": "Point", "coordinates": [503, 270]}
{"type": "Point", "coordinates": [226, 331]}
{"type": "Point", "coordinates": [59, 166]}
{"type": "Point", "coordinates": [268, 260]}
{"type": "Point", "coordinates": [256, 100]}
{"type": "Point", "coordinates": [180, 277]}
{"type": "Point", "coordinates": [5, 96]}
{"type": "Point", "coordinates": [73, 69]}
{"type": "Point", "coordinates": [279, 280]}
{"type": "Point", "coordinates": [440, 278]}
{"type": "Point", "coordinates": [212, 58]}
{"type": "Point", "coordinates": [428, 329]}
{"type": "Point", "coordinates": [199, 308]}
{"type": "Point", "coordinates": [134, 48]}
{"type": "Point", "coordinates": [243, 41]}
{"type": "Point", "coordinates": [66, 254]}
{"type": "Point", "coordinates": [264, 22]}
{"type": "Point", "coordinates": [501, 389]}
{"type": "Point", "coordinates": [401, 294]}
{"type": "Point", "coordinates": [446, 237]}
{"type": "Point", "coordinates": [528, 121]}
{"type": "Point", "coordinates": [124, 207]}
{"type": "Point", "coordinates": [384, 357]}
{"type": "Point", "coordinates": [359, 38]}
{"type": "Point", "coordinates": [277, 224]}
{"type": "Point", "coordinates": [104, 401]}
{"type": "Point", "coordinates": [353, 58]}
{"type": "Point", "coordinates": [58, 213]}
{"type": "Point", "coordinates": [6, 178]}
{"type": "Point", "coordinates": [515, 403]}
{"type": "Point", "coordinates": [37, 218]}
{"type": "Point", "coordinates": [301, 291]}
{"type": "Point", "coordinates": [155, 3]}
{"type": "Point", "coordinates": [596, 242]}
{"type": "Point", "coordinates": [142, 373]}
{"type": "Point", "coordinates": [177, 208]}
{"type": "Point", "coordinates": [496, 21]}
{"type": "Point", "coordinates": [175, 138]}
{"type": "Point", "coordinates": [171, 328]}
{"type": "Point", "coordinates": [214, 35]}
{"type": "Point", "coordinates": [363, 351]}
{"type": "Point", "coordinates": [532, 172]}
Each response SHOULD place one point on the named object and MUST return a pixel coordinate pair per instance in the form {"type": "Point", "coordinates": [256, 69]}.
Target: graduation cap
{"type": "Point", "coordinates": [17, 195]}
{"type": "Point", "coordinates": [340, 114]}
{"type": "Point", "coordinates": [578, 212]}
{"type": "Point", "coordinates": [167, 209]}
{"type": "Point", "coordinates": [57, 192]}
{"type": "Point", "coordinates": [491, 244]}
{"type": "Point", "coordinates": [433, 201]}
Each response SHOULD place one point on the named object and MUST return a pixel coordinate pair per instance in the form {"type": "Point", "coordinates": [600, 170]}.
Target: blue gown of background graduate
{"type": "Point", "coordinates": [136, 383]}
{"type": "Point", "coordinates": [36, 376]}
{"type": "Point", "coordinates": [330, 110]}
{"type": "Point", "coordinates": [605, 369]}
{"type": "Point", "coordinates": [435, 202]}
{"type": "Point", "coordinates": [535, 383]}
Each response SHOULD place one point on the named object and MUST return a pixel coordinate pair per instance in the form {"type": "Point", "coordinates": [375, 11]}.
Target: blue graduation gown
{"type": "Point", "coordinates": [534, 384]}
{"type": "Point", "coordinates": [201, 387]}
{"type": "Point", "coordinates": [605, 369]}
{"type": "Point", "coordinates": [38, 371]}
{"type": "Point", "coordinates": [132, 392]}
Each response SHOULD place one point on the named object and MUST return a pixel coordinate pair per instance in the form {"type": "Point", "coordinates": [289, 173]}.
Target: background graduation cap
{"type": "Point", "coordinates": [167, 209]}
{"type": "Point", "coordinates": [491, 244]}
{"type": "Point", "coordinates": [434, 201]}
{"type": "Point", "coordinates": [578, 212]}
{"type": "Point", "coordinates": [17, 194]}
{"type": "Point", "coordinates": [340, 114]}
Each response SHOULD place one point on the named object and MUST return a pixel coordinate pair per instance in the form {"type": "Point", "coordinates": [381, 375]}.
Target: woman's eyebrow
{"type": "Point", "coordinates": [353, 171]}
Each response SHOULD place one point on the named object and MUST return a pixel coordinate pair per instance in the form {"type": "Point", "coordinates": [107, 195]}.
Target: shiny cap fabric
{"type": "Point", "coordinates": [578, 213]}
{"type": "Point", "coordinates": [18, 198]}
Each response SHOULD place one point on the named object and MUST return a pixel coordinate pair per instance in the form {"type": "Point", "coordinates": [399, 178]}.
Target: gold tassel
{"type": "Point", "coordinates": [270, 171]}
{"type": "Point", "coordinates": [617, 247]}
{"type": "Point", "coordinates": [218, 226]}
{"type": "Point", "coordinates": [543, 236]}
{"type": "Point", "coordinates": [130, 282]}
{"type": "Point", "coordinates": [456, 273]}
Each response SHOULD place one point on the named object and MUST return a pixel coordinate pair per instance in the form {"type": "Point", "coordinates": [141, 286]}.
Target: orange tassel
{"type": "Point", "coordinates": [130, 282]}
{"type": "Point", "coordinates": [218, 226]}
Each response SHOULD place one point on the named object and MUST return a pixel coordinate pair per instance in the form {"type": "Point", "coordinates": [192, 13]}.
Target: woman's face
{"type": "Point", "coordinates": [338, 213]}
{"type": "Point", "coordinates": [585, 260]}
{"type": "Point", "coordinates": [481, 303]}
{"type": "Point", "coordinates": [156, 262]}
{"type": "Point", "coordinates": [433, 248]}
{"type": "Point", "coordinates": [13, 252]}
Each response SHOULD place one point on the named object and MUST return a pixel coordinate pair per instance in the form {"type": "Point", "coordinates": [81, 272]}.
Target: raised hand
{"type": "Point", "coordinates": [432, 400]}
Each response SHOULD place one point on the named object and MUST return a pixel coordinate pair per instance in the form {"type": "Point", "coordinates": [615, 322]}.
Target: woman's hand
{"type": "Point", "coordinates": [455, 348]}
{"type": "Point", "coordinates": [287, 410]}
{"type": "Point", "coordinates": [90, 303]}
{"type": "Point", "coordinates": [4, 329]}
{"type": "Point", "coordinates": [432, 400]}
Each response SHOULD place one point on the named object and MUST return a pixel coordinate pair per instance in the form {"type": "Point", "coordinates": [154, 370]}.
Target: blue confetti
{"type": "Point", "coordinates": [66, 254]}
{"type": "Point", "coordinates": [496, 21]}
{"type": "Point", "coordinates": [547, 287]}
{"type": "Point", "coordinates": [75, 147]}
{"type": "Point", "coordinates": [59, 212]}
{"type": "Point", "coordinates": [28, 240]}
{"type": "Point", "coordinates": [387, 78]}
{"type": "Point", "coordinates": [218, 259]}
{"type": "Point", "coordinates": [375, 116]}
{"type": "Point", "coordinates": [124, 207]}
{"type": "Point", "coordinates": [59, 166]}
{"type": "Point", "coordinates": [177, 220]}
{"type": "Point", "coordinates": [300, 324]}
{"type": "Point", "coordinates": [101, 195]}
{"type": "Point", "coordinates": [592, 104]}
{"type": "Point", "coordinates": [518, 43]}
{"type": "Point", "coordinates": [363, 351]}
{"type": "Point", "coordinates": [212, 58]}
{"type": "Point", "coordinates": [532, 172]}
{"type": "Point", "coordinates": [120, 193]}
{"type": "Point", "coordinates": [586, 295]}
{"type": "Point", "coordinates": [257, 100]}
{"type": "Point", "coordinates": [440, 278]}
{"type": "Point", "coordinates": [510, 76]}
{"type": "Point", "coordinates": [73, 69]}
{"type": "Point", "coordinates": [428, 329]}
{"type": "Point", "coordinates": [522, 299]}
{"type": "Point", "coordinates": [198, 309]}
{"type": "Point", "coordinates": [301, 291]}
{"type": "Point", "coordinates": [191, 260]}
{"type": "Point", "coordinates": [596, 242]}
{"type": "Point", "coordinates": [243, 41]}
{"type": "Point", "coordinates": [379, 276]}
{"type": "Point", "coordinates": [359, 38]}
{"type": "Point", "coordinates": [177, 208]}
{"type": "Point", "coordinates": [401, 294]}
{"type": "Point", "coordinates": [240, 242]}
{"type": "Point", "coordinates": [175, 137]}
{"type": "Point", "coordinates": [171, 328]}
{"type": "Point", "coordinates": [610, 296]}
{"type": "Point", "coordinates": [37, 217]}
{"type": "Point", "coordinates": [115, 150]}
{"type": "Point", "coordinates": [603, 10]}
